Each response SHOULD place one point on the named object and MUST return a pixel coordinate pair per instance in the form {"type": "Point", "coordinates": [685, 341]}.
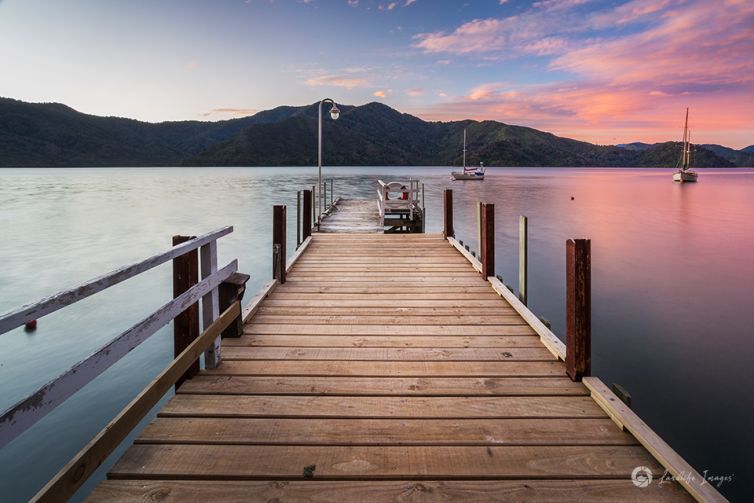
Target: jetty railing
{"type": "Point", "coordinates": [18, 418]}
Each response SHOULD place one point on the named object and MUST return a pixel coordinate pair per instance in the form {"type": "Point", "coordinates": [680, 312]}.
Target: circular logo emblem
{"type": "Point", "coordinates": [641, 476]}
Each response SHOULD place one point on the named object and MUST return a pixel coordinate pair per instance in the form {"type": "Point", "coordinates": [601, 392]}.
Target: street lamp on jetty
{"type": "Point", "coordinates": [334, 114]}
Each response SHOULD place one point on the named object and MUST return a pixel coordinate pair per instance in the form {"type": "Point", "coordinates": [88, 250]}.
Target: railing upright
{"type": "Point", "coordinates": [186, 324]}
{"type": "Point", "coordinates": [210, 302]}
{"type": "Point", "coordinates": [488, 240]}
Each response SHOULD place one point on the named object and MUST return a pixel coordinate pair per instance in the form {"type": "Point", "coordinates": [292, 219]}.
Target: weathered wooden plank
{"type": "Point", "coordinates": [65, 298]}
{"type": "Point", "coordinates": [258, 328]}
{"type": "Point", "coordinates": [414, 462]}
{"type": "Point", "coordinates": [378, 386]}
{"type": "Point", "coordinates": [549, 339]}
{"type": "Point", "coordinates": [678, 467]}
{"type": "Point", "coordinates": [438, 313]}
{"type": "Point", "coordinates": [365, 275]}
{"type": "Point", "coordinates": [390, 289]}
{"type": "Point", "coordinates": [387, 369]}
{"type": "Point", "coordinates": [210, 302]}
{"type": "Point", "coordinates": [389, 354]}
{"type": "Point", "coordinates": [28, 411]}
{"type": "Point", "coordinates": [428, 491]}
{"type": "Point", "coordinates": [388, 341]}
{"type": "Point", "coordinates": [383, 302]}
{"type": "Point", "coordinates": [398, 297]}
{"type": "Point", "coordinates": [403, 319]}
{"type": "Point", "coordinates": [409, 280]}
{"type": "Point", "coordinates": [239, 431]}
{"type": "Point", "coordinates": [256, 301]}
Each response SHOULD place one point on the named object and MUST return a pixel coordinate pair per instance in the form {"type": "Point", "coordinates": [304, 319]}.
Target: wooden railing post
{"type": "Point", "coordinates": [448, 231]}
{"type": "Point", "coordinates": [578, 308]}
{"type": "Point", "coordinates": [278, 243]}
{"type": "Point", "coordinates": [298, 219]}
{"type": "Point", "coordinates": [488, 240]}
{"type": "Point", "coordinates": [523, 257]}
{"type": "Point", "coordinates": [186, 324]}
{"type": "Point", "coordinates": [307, 214]}
{"type": "Point", "coordinates": [210, 303]}
{"type": "Point", "coordinates": [479, 228]}
{"type": "Point", "coordinates": [231, 291]}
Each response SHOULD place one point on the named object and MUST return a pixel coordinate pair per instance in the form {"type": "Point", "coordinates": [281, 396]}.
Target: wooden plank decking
{"type": "Point", "coordinates": [385, 369]}
{"type": "Point", "coordinates": [352, 215]}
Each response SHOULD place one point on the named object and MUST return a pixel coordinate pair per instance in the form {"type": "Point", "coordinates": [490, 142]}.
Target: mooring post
{"type": "Point", "coordinates": [523, 257]}
{"type": "Point", "coordinates": [448, 231]}
{"type": "Point", "coordinates": [578, 308]}
{"type": "Point", "coordinates": [232, 290]}
{"type": "Point", "coordinates": [488, 240]}
{"type": "Point", "coordinates": [315, 217]}
{"type": "Point", "coordinates": [278, 243]}
{"type": "Point", "coordinates": [186, 324]}
{"type": "Point", "coordinates": [332, 197]}
{"type": "Point", "coordinates": [479, 228]}
{"type": "Point", "coordinates": [298, 219]}
{"type": "Point", "coordinates": [307, 214]}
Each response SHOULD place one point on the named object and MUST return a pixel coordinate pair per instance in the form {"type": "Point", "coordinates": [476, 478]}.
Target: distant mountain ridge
{"type": "Point", "coordinates": [51, 134]}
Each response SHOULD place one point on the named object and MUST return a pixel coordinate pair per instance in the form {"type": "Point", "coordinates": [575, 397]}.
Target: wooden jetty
{"type": "Point", "coordinates": [385, 367]}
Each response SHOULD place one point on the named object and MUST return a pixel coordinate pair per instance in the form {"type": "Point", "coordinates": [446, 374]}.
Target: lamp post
{"type": "Point", "coordinates": [334, 113]}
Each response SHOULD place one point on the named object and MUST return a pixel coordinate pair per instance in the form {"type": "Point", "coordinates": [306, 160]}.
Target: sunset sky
{"type": "Point", "coordinates": [600, 71]}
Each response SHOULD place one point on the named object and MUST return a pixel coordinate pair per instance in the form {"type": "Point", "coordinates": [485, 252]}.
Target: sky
{"type": "Point", "coordinates": [601, 71]}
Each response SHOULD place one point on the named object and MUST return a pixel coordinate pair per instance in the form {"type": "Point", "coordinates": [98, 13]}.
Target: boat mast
{"type": "Point", "coordinates": [464, 150]}
{"type": "Point", "coordinates": [686, 142]}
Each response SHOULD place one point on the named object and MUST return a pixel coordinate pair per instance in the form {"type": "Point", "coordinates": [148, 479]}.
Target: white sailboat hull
{"type": "Point", "coordinates": [459, 175]}
{"type": "Point", "coordinates": [685, 176]}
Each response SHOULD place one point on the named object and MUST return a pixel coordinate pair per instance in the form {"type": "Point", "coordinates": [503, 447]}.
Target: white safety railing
{"type": "Point", "coordinates": [398, 197]}
{"type": "Point", "coordinates": [21, 416]}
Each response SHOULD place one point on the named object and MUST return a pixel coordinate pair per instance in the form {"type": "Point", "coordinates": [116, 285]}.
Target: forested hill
{"type": "Point", "coordinates": [51, 134]}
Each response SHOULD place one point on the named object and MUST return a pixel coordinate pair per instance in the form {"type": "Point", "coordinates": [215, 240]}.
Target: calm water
{"type": "Point", "coordinates": [673, 283]}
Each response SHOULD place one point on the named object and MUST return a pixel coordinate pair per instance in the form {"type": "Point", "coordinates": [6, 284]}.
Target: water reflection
{"type": "Point", "coordinates": [673, 279]}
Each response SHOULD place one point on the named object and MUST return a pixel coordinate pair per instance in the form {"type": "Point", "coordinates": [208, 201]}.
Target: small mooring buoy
{"type": "Point", "coordinates": [30, 326]}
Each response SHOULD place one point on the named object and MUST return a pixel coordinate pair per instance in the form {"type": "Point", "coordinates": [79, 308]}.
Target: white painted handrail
{"type": "Point", "coordinates": [50, 304]}
{"type": "Point", "coordinates": [27, 412]}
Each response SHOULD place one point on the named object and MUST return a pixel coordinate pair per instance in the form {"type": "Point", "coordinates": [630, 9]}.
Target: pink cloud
{"type": "Point", "coordinates": [379, 94]}
{"type": "Point", "coordinates": [635, 86]}
{"type": "Point", "coordinates": [347, 81]}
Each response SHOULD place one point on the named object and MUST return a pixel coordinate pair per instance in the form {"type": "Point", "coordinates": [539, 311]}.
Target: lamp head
{"type": "Point", "coordinates": [334, 112]}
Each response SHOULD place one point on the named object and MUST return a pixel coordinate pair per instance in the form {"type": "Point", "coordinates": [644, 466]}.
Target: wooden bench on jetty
{"type": "Point", "coordinates": [375, 367]}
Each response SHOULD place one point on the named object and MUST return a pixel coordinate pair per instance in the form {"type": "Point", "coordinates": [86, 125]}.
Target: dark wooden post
{"type": "Point", "coordinates": [578, 308]}
{"type": "Point", "coordinates": [278, 243]}
{"type": "Point", "coordinates": [307, 214]}
{"type": "Point", "coordinates": [231, 290]}
{"type": "Point", "coordinates": [448, 231]}
{"type": "Point", "coordinates": [298, 219]}
{"type": "Point", "coordinates": [186, 324]}
{"type": "Point", "coordinates": [488, 240]}
{"type": "Point", "coordinates": [523, 257]}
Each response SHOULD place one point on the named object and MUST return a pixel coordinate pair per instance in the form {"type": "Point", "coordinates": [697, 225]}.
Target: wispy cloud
{"type": "Point", "coordinates": [344, 80]}
{"type": "Point", "coordinates": [379, 94]}
{"type": "Point", "coordinates": [415, 92]}
{"type": "Point", "coordinates": [235, 112]}
{"type": "Point", "coordinates": [634, 82]}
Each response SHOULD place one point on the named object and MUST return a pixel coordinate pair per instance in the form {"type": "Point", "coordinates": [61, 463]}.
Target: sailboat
{"type": "Point", "coordinates": [684, 174]}
{"type": "Point", "coordinates": [469, 172]}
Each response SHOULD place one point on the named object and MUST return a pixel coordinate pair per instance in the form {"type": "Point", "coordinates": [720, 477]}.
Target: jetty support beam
{"type": "Point", "coordinates": [186, 324]}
